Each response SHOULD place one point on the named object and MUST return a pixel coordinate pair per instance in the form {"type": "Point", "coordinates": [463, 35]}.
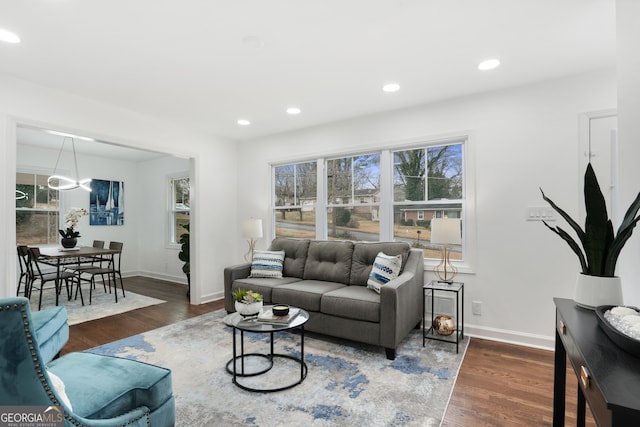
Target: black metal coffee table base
{"type": "Point", "coordinates": [236, 366]}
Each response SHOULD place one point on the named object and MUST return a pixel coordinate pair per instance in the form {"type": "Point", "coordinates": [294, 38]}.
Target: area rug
{"type": "Point", "coordinates": [102, 304]}
{"type": "Point", "coordinates": [348, 384]}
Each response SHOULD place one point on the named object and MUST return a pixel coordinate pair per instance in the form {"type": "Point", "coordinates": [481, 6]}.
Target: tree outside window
{"type": "Point", "coordinates": [37, 210]}
{"type": "Point", "coordinates": [180, 191]}
{"type": "Point", "coordinates": [427, 183]}
{"type": "Point", "coordinates": [353, 202]}
{"type": "Point", "coordinates": [295, 195]}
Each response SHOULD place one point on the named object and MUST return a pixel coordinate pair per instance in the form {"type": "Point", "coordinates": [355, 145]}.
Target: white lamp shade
{"type": "Point", "coordinates": [252, 228]}
{"type": "Point", "coordinates": [446, 231]}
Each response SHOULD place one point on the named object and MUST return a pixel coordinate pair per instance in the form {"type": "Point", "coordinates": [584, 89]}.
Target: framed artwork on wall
{"type": "Point", "coordinates": [106, 202]}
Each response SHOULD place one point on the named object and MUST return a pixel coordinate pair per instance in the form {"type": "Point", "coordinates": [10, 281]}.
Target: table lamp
{"type": "Point", "coordinates": [445, 232]}
{"type": "Point", "coordinates": [252, 230]}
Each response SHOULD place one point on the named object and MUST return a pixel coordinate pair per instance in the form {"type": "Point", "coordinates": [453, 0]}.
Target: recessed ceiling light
{"type": "Point", "coordinates": [293, 110]}
{"type": "Point", "coordinates": [489, 64]}
{"type": "Point", "coordinates": [244, 122]}
{"type": "Point", "coordinates": [391, 87]}
{"type": "Point", "coordinates": [8, 36]}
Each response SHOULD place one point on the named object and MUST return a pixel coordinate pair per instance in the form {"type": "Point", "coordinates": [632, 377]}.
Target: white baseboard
{"type": "Point", "coordinates": [175, 279]}
{"type": "Point", "coordinates": [169, 278]}
{"type": "Point", "coordinates": [211, 297]}
{"type": "Point", "coordinates": [511, 337]}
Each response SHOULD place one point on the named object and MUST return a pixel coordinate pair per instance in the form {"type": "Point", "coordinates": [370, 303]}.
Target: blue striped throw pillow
{"type": "Point", "coordinates": [385, 268]}
{"type": "Point", "coordinates": [267, 264]}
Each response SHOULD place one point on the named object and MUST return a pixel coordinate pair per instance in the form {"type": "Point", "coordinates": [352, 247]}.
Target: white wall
{"type": "Point", "coordinates": [215, 239]}
{"type": "Point", "coordinates": [521, 139]}
{"type": "Point", "coordinates": [628, 68]}
{"type": "Point", "coordinates": [153, 230]}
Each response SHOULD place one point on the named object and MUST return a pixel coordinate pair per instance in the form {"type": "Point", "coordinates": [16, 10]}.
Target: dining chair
{"type": "Point", "coordinates": [23, 260]}
{"type": "Point", "coordinates": [111, 270]}
{"type": "Point", "coordinates": [56, 276]}
{"type": "Point", "coordinates": [87, 263]}
{"type": "Point", "coordinates": [116, 267]}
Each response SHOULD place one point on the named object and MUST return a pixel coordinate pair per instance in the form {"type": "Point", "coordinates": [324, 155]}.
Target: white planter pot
{"type": "Point", "coordinates": [592, 291]}
{"type": "Point", "coordinates": [248, 309]}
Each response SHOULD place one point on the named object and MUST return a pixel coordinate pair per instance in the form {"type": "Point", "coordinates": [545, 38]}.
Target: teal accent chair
{"type": "Point", "coordinates": [102, 391]}
{"type": "Point", "coordinates": [52, 331]}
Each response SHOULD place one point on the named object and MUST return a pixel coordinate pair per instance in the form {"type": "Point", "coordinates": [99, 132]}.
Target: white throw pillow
{"type": "Point", "coordinates": [385, 268]}
{"type": "Point", "coordinates": [58, 385]}
{"type": "Point", "coordinates": [267, 264]}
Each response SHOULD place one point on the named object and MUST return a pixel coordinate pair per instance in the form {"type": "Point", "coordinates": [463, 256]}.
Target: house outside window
{"type": "Point", "coordinates": [37, 210]}
{"type": "Point", "coordinates": [295, 199]}
{"type": "Point", "coordinates": [391, 194]}
{"type": "Point", "coordinates": [428, 182]}
{"type": "Point", "coordinates": [180, 205]}
{"type": "Point", "coordinates": [353, 184]}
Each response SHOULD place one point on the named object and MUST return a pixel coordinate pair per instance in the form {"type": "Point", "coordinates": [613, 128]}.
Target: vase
{"type": "Point", "coordinates": [592, 291]}
{"type": "Point", "coordinates": [444, 325]}
{"type": "Point", "coordinates": [68, 242]}
{"type": "Point", "coordinates": [251, 309]}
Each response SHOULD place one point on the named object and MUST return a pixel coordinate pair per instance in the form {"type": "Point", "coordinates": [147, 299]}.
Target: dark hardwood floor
{"type": "Point", "coordinates": [499, 384]}
{"type": "Point", "coordinates": [101, 331]}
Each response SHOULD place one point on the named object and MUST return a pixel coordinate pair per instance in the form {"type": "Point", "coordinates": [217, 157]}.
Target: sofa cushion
{"type": "Point", "coordinates": [267, 264]}
{"type": "Point", "coordinates": [352, 302]}
{"type": "Point", "coordinates": [261, 285]}
{"type": "Point", "coordinates": [364, 254]}
{"type": "Point", "coordinates": [385, 268]}
{"type": "Point", "coordinates": [329, 261]}
{"type": "Point", "coordinates": [305, 294]}
{"type": "Point", "coordinates": [295, 255]}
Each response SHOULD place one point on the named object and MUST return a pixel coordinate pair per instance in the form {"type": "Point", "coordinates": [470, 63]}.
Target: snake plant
{"type": "Point", "coordinates": [600, 248]}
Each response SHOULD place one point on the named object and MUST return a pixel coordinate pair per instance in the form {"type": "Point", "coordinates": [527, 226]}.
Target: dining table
{"type": "Point", "coordinates": [60, 258]}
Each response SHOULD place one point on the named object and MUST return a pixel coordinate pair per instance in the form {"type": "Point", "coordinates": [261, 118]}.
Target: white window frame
{"type": "Point", "coordinates": [61, 201]}
{"type": "Point", "coordinates": [172, 239]}
{"type": "Point", "coordinates": [386, 203]}
{"type": "Point", "coordinates": [353, 204]}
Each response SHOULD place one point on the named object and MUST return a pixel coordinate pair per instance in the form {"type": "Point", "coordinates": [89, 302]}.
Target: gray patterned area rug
{"type": "Point", "coordinates": [102, 303]}
{"type": "Point", "coordinates": [348, 384]}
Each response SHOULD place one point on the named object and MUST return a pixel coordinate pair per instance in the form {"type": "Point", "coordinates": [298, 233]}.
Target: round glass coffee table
{"type": "Point", "coordinates": [245, 365]}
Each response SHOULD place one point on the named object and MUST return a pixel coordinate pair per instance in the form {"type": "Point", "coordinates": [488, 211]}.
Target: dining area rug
{"type": "Point", "coordinates": [347, 383]}
{"type": "Point", "coordinates": [102, 304]}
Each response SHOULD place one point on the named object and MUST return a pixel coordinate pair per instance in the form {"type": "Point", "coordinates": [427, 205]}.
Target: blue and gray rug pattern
{"type": "Point", "coordinates": [348, 383]}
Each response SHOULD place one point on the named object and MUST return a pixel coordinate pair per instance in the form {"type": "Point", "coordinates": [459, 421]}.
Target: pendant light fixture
{"type": "Point", "coordinates": [61, 183]}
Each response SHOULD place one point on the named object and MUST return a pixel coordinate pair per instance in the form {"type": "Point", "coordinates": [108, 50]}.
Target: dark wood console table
{"type": "Point", "coordinates": [608, 377]}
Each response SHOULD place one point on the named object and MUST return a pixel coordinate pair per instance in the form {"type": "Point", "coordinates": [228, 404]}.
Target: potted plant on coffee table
{"type": "Point", "coordinates": [247, 303]}
{"type": "Point", "coordinates": [598, 248]}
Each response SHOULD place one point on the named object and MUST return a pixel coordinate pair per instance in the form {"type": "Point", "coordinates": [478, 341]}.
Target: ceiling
{"type": "Point", "coordinates": [205, 64]}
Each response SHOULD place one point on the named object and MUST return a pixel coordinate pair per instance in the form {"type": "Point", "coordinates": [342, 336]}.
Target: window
{"type": "Point", "coordinates": [353, 194]}
{"type": "Point", "coordinates": [37, 210]}
{"type": "Point", "coordinates": [180, 204]}
{"type": "Point", "coordinates": [428, 183]}
{"type": "Point", "coordinates": [391, 194]}
{"type": "Point", "coordinates": [295, 194]}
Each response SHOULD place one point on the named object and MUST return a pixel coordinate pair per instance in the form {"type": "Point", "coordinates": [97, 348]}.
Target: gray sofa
{"type": "Point", "coordinates": [329, 280]}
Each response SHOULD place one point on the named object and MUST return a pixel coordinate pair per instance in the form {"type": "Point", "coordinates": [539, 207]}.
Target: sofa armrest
{"type": "Point", "coordinates": [239, 271]}
{"type": "Point", "coordinates": [401, 302]}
